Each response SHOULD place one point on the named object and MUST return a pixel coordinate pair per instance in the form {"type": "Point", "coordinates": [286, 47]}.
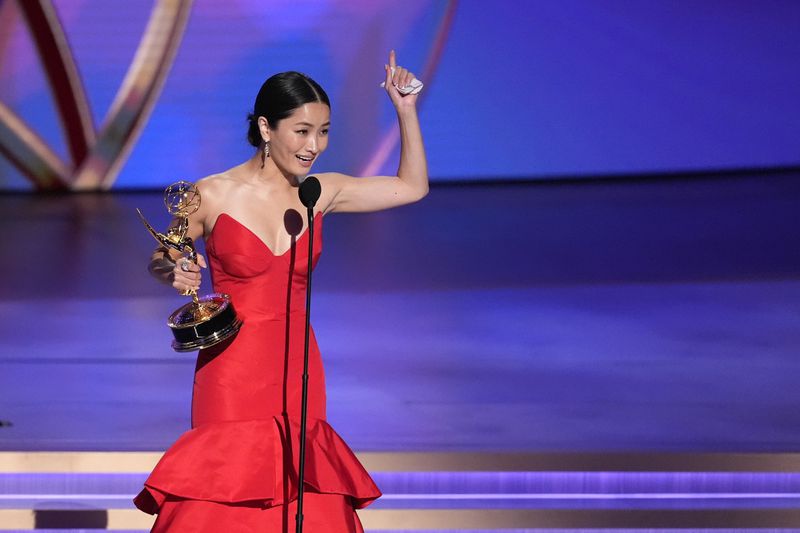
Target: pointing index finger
{"type": "Point", "coordinates": [392, 59]}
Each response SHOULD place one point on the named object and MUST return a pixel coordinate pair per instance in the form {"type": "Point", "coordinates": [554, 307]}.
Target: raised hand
{"type": "Point", "coordinates": [398, 78]}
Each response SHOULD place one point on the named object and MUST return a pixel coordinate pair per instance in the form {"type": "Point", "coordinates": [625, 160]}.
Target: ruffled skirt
{"type": "Point", "coordinates": [242, 476]}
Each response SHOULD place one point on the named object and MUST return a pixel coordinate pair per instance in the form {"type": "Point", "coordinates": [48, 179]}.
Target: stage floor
{"type": "Point", "coordinates": [658, 316]}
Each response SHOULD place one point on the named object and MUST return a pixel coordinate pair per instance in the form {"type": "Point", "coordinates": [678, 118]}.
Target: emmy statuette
{"type": "Point", "coordinates": [206, 320]}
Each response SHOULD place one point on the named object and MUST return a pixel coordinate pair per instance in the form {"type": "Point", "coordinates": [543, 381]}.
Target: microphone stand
{"type": "Point", "coordinates": [309, 194]}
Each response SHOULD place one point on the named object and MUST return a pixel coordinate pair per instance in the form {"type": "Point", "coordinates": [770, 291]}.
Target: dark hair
{"type": "Point", "coordinates": [280, 95]}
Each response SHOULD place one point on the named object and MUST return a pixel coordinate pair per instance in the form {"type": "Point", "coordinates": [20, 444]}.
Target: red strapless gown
{"type": "Point", "coordinates": [236, 469]}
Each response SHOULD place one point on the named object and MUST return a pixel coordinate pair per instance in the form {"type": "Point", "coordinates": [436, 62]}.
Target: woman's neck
{"type": "Point", "coordinates": [258, 170]}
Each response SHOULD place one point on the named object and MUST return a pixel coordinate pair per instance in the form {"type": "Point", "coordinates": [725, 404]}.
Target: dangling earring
{"type": "Point", "coordinates": [265, 154]}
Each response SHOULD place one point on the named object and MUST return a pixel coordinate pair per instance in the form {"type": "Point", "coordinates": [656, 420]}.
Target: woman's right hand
{"type": "Point", "coordinates": [186, 274]}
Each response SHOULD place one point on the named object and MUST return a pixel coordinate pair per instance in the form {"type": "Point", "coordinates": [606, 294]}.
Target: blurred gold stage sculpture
{"type": "Point", "coordinates": [95, 157]}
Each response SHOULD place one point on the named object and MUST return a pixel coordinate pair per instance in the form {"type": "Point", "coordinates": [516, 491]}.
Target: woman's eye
{"type": "Point", "coordinates": [302, 132]}
{"type": "Point", "coordinates": [324, 132]}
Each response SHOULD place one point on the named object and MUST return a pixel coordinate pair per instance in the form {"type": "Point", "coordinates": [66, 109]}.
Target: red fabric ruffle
{"type": "Point", "coordinates": [256, 461]}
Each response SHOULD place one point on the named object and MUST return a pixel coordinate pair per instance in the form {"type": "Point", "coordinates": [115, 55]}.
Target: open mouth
{"type": "Point", "coordinates": [305, 159]}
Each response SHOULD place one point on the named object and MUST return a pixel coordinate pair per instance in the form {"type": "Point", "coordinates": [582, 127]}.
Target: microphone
{"type": "Point", "coordinates": [309, 191]}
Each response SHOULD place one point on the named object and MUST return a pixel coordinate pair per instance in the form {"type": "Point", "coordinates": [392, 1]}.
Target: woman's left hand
{"type": "Point", "coordinates": [401, 78]}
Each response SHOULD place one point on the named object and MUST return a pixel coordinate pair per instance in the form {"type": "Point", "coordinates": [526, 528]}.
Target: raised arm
{"type": "Point", "coordinates": [411, 182]}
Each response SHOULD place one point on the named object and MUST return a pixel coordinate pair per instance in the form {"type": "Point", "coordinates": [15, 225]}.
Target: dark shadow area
{"type": "Point", "coordinates": [70, 519]}
{"type": "Point", "coordinates": [209, 354]}
{"type": "Point", "coordinates": [293, 222]}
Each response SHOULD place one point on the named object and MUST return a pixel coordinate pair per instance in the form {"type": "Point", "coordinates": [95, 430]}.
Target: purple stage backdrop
{"type": "Point", "coordinates": [515, 89]}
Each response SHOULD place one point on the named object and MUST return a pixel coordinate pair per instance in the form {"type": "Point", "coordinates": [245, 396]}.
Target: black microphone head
{"type": "Point", "coordinates": [309, 191]}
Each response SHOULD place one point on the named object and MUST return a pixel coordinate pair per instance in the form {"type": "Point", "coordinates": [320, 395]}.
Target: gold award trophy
{"type": "Point", "coordinates": [206, 320]}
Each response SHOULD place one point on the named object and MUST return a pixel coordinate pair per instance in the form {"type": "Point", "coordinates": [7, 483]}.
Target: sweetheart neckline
{"type": "Point", "coordinates": [318, 216]}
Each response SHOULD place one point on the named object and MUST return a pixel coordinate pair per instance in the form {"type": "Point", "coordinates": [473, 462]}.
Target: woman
{"type": "Point", "coordinates": [236, 469]}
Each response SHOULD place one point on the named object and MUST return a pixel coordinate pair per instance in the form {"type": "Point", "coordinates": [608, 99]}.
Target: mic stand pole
{"type": "Point", "coordinates": [304, 403]}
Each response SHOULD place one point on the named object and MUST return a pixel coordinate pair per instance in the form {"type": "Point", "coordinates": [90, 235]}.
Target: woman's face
{"type": "Point", "coordinates": [299, 138]}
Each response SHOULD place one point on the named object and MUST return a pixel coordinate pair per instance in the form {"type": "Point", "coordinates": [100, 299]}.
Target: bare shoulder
{"type": "Point", "coordinates": [331, 183]}
{"type": "Point", "coordinates": [330, 176]}
{"type": "Point", "coordinates": [332, 179]}
{"type": "Point", "coordinates": [213, 190]}
{"type": "Point", "coordinates": [214, 185]}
